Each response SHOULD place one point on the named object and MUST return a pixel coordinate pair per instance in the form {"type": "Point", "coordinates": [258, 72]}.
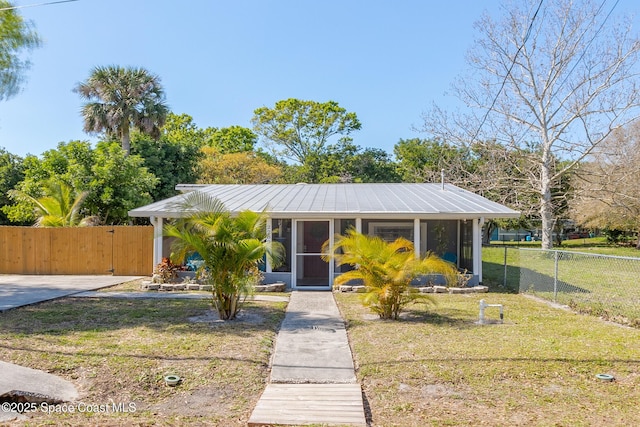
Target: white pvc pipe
{"type": "Point", "coordinates": [484, 305]}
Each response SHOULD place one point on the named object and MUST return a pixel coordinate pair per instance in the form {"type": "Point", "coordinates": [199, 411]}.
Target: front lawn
{"type": "Point", "coordinates": [435, 367]}
{"type": "Point", "coordinates": [119, 350]}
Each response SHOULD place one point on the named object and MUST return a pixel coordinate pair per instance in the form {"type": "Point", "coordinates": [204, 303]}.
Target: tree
{"type": "Point", "coordinates": [16, 36]}
{"type": "Point", "coordinates": [11, 173]}
{"type": "Point", "coordinates": [174, 157]}
{"type": "Point", "coordinates": [606, 187]}
{"type": "Point", "coordinates": [115, 183]}
{"type": "Point", "coordinates": [235, 168]}
{"type": "Point", "coordinates": [347, 162]}
{"type": "Point", "coordinates": [386, 269]}
{"type": "Point", "coordinates": [118, 184]}
{"type": "Point", "coordinates": [554, 79]}
{"type": "Point", "coordinates": [423, 160]}
{"type": "Point", "coordinates": [303, 128]}
{"type": "Point", "coordinates": [60, 207]}
{"type": "Point", "coordinates": [233, 139]}
{"type": "Point", "coordinates": [232, 247]}
{"type": "Point", "coordinates": [120, 99]}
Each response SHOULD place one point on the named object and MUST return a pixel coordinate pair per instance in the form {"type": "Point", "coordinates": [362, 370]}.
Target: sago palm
{"type": "Point", "coordinates": [386, 269]}
{"type": "Point", "coordinates": [231, 247]}
{"type": "Point", "coordinates": [120, 99]}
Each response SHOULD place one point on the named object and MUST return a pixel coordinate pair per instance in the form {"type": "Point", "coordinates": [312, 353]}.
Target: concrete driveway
{"type": "Point", "coordinates": [18, 290]}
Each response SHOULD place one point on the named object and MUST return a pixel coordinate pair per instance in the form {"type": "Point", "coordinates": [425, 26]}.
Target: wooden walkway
{"type": "Point", "coordinates": [305, 404]}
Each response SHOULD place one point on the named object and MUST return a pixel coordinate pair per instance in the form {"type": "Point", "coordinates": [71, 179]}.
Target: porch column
{"type": "Point", "coordinates": [477, 247]}
{"type": "Point", "coordinates": [157, 240]}
{"type": "Point", "coordinates": [416, 237]}
{"type": "Point", "coordinates": [267, 267]}
{"type": "Point", "coordinates": [359, 225]}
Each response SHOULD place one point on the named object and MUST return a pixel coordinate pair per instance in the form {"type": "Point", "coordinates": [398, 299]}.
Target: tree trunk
{"type": "Point", "coordinates": [546, 207]}
{"type": "Point", "coordinates": [126, 140]}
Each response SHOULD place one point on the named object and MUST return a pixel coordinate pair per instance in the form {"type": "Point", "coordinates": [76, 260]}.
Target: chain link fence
{"type": "Point", "coordinates": [601, 285]}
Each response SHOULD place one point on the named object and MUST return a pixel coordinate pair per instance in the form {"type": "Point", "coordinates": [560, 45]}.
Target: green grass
{"type": "Point", "coordinates": [437, 368]}
{"type": "Point", "coordinates": [599, 285]}
{"type": "Point", "coordinates": [119, 350]}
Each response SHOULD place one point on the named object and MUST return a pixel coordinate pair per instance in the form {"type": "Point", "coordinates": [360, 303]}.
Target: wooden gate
{"type": "Point", "coordinates": [118, 250]}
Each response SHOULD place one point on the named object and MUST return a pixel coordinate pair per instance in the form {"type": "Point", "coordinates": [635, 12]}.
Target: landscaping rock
{"type": "Point", "coordinates": [359, 289]}
{"type": "Point", "coordinates": [346, 288]}
{"type": "Point", "coordinates": [166, 287]}
{"type": "Point", "coordinates": [193, 287]}
{"type": "Point", "coordinates": [480, 289]}
{"type": "Point", "coordinates": [460, 290]}
{"type": "Point", "coordinates": [272, 287]}
{"type": "Point", "coordinates": [440, 289]}
{"type": "Point", "coordinates": [206, 288]}
{"type": "Point", "coordinates": [179, 287]}
{"type": "Point", "coordinates": [152, 287]}
{"type": "Point", "coordinates": [426, 289]}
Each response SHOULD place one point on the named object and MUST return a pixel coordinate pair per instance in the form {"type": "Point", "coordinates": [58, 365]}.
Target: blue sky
{"type": "Point", "coordinates": [387, 61]}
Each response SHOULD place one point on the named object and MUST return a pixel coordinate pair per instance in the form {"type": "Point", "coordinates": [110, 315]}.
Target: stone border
{"type": "Point", "coordinates": [426, 289]}
{"type": "Point", "coordinates": [170, 287]}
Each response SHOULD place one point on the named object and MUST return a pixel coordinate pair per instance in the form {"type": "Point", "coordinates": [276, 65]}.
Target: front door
{"type": "Point", "coordinates": [311, 271]}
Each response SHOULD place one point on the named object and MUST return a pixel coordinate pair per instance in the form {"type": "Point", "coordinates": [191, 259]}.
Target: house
{"type": "Point", "coordinates": [441, 218]}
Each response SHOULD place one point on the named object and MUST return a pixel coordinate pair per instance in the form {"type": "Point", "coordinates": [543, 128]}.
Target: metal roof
{"type": "Point", "coordinates": [341, 201]}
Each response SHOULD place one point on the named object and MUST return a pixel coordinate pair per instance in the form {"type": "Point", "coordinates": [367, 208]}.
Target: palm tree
{"type": "Point", "coordinates": [386, 270]}
{"type": "Point", "coordinates": [232, 247]}
{"type": "Point", "coordinates": [60, 207]}
{"type": "Point", "coordinates": [120, 99]}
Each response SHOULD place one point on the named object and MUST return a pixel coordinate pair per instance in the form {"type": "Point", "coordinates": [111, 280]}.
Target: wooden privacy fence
{"type": "Point", "coordinates": [118, 250]}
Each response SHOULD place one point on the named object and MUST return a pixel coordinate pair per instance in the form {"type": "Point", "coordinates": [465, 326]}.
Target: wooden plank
{"type": "Point", "coordinates": [303, 404]}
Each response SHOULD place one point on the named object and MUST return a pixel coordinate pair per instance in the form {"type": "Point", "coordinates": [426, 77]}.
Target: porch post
{"type": "Point", "coordinates": [269, 224]}
{"type": "Point", "coordinates": [416, 237]}
{"type": "Point", "coordinates": [157, 240]}
{"type": "Point", "coordinates": [477, 247]}
{"type": "Point", "coordinates": [359, 225]}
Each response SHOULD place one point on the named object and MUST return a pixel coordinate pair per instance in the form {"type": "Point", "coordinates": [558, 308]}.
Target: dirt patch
{"type": "Point", "coordinates": [200, 402]}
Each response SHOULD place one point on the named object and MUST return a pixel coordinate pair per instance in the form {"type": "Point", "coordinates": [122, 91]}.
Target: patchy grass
{"type": "Point", "coordinates": [436, 367]}
{"type": "Point", "coordinates": [119, 350]}
{"type": "Point", "coordinates": [588, 282]}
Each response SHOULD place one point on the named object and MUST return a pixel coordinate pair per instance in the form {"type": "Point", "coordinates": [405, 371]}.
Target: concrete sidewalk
{"type": "Point", "coordinates": [313, 379]}
{"type": "Point", "coordinates": [18, 290]}
{"type": "Point", "coordinates": [17, 381]}
{"type": "Point", "coordinates": [312, 345]}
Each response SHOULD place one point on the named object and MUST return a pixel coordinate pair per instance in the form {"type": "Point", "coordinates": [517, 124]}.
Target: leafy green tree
{"type": "Point", "coordinates": [60, 207]}
{"type": "Point", "coordinates": [115, 182]}
{"type": "Point", "coordinates": [303, 129]}
{"type": "Point", "coordinates": [386, 269]}
{"type": "Point", "coordinates": [347, 162]}
{"type": "Point", "coordinates": [11, 173]}
{"type": "Point", "coordinates": [374, 165]}
{"type": "Point", "coordinates": [422, 160]}
{"type": "Point", "coordinates": [233, 139]}
{"type": "Point", "coordinates": [174, 157]}
{"type": "Point", "coordinates": [119, 183]}
{"type": "Point", "coordinates": [16, 37]}
{"type": "Point", "coordinates": [120, 99]}
{"type": "Point", "coordinates": [232, 247]}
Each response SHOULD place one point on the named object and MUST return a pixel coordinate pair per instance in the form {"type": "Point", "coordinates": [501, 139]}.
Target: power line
{"type": "Point", "coordinates": [584, 51]}
{"type": "Point", "coordinates": [513, 63]}
{"type": "Point", "coordinates": [37, 4]}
